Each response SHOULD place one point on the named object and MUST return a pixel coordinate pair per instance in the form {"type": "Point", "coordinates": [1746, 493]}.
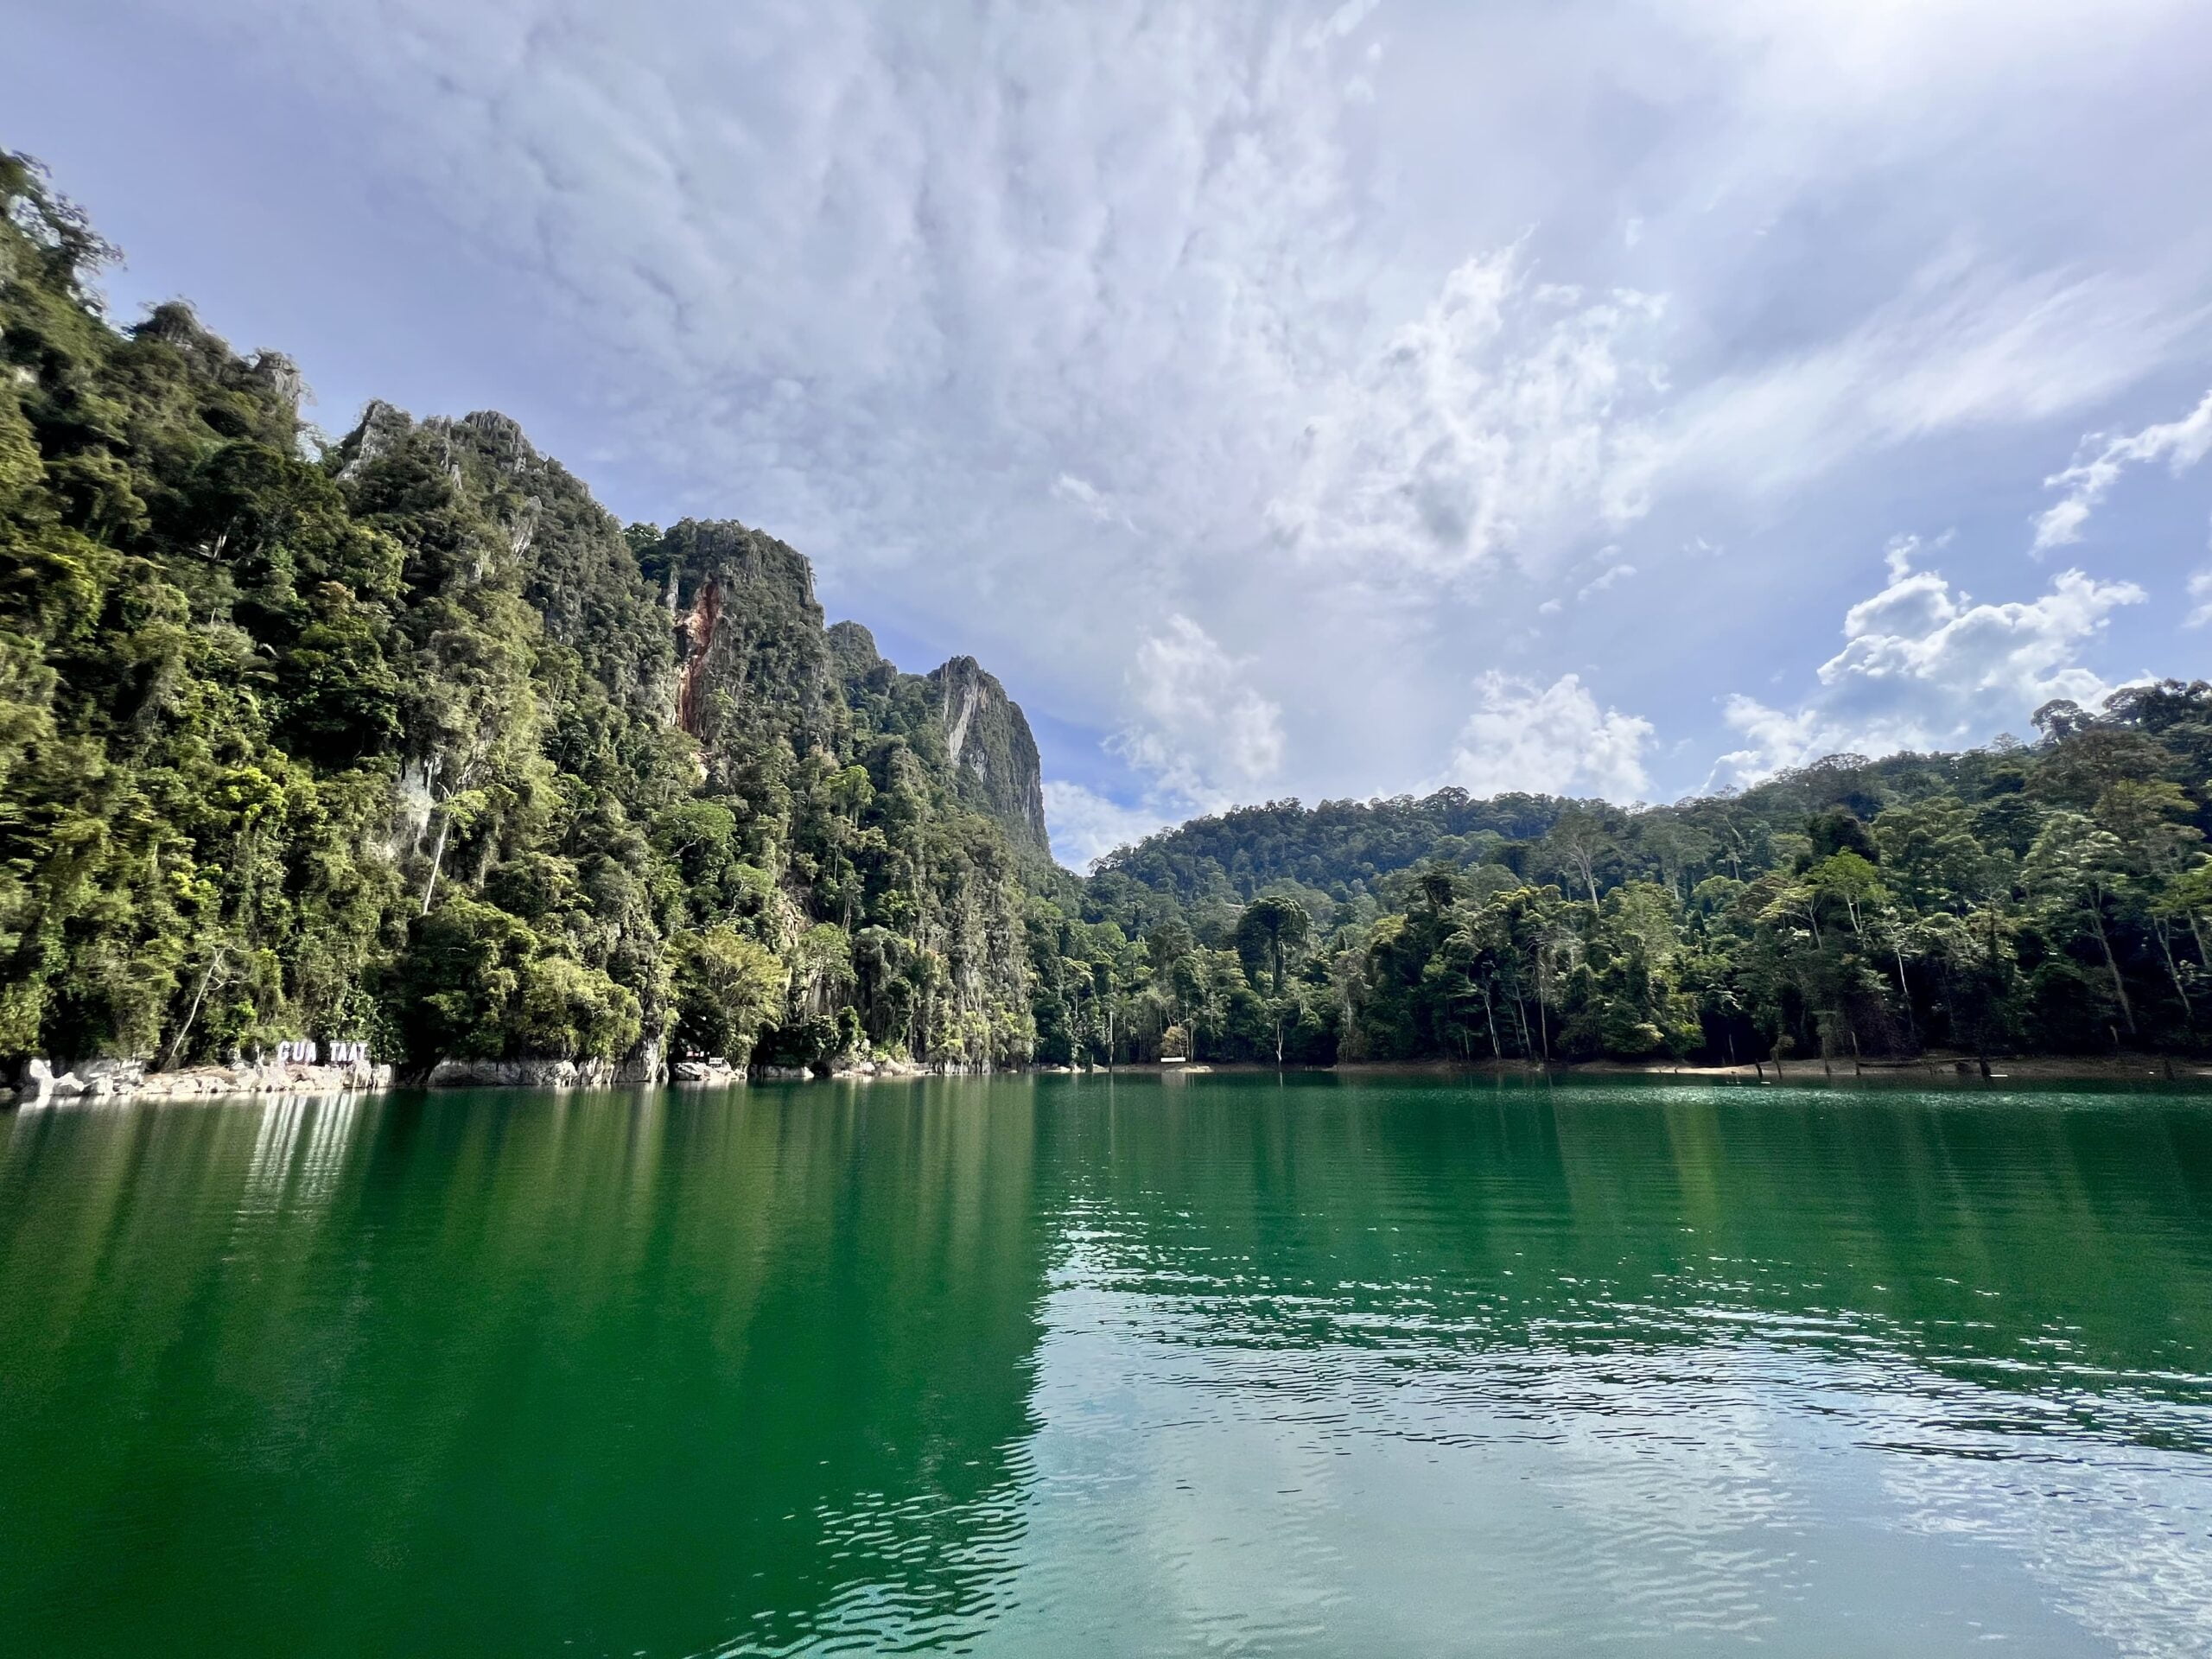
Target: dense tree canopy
{"type": "Point", "coordinates": [406, 739]}
{"type": "Point", "coordinates": [2050, 896]}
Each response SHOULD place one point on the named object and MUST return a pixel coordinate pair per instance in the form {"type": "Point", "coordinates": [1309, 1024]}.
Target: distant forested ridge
{"type": "Point", "coordinates": [2050, 898]}
{"type": "Point", "coordinates": [403, 738]}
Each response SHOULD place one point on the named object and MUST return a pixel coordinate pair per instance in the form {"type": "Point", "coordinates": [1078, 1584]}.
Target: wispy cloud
{"type": "Point", "coordinates": [1053, 330]}
{"type": "Point", "coordinates": [1202, 732]}
{"type": "Point", "coordinates": [1088, 825]}
{"type": "Point", "coordinates": [2200, 590]}
{"type": "Point", "coordinates": [1497, 422]}
{"type": "Point", "coordinates": [1605, 579]}
{"type": "Point", "coordinates": [1088, 499]}
{"type": "Point", "coordinates": [2181, 444]}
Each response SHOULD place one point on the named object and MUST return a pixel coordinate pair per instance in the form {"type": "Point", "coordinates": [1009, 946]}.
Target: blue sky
{"type": "Point", "coordinates": [1288, 399]}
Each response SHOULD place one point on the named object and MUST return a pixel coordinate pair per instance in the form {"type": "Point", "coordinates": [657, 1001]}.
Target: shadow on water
{"type": "Point", "coordinates": [496, 1373]}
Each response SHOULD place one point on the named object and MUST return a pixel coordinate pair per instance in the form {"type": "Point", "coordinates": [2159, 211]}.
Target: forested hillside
{"type": "Point", "coordinates": [403, 738]}
{"type": "Point", "coordinates": [2050, 898]}
{"type": "Point", "coordinates": [407, 740]}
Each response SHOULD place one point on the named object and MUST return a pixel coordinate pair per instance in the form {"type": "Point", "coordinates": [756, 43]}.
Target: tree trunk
{"type": "Point", "coordinates": [1911, 1025]}
{"type": "Point", "coordinates": [437, 858]}
{"type": "Point", "coordinates": [2165, 945]}
{"type": "Point", "coordinates": [176, 1043]}
{"type": "Point", "coordinates": [2119, 990]}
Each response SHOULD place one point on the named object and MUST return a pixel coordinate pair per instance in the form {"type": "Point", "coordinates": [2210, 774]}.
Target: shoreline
{"type": "Point", "coordinates": [217, 1082]}
{"type": "Point", "coordinates": [1944, 1067]}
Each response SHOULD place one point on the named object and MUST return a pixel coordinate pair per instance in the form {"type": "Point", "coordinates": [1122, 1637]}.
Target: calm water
{"type": "Point", "coordinates": [1076, 1366]}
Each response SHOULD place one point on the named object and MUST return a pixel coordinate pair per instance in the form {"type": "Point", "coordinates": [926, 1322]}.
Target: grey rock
{"type": "Point", "coordinates": [643, 1063]}
{"type": "Point", "coordinates": [994, 755]}
{"type": "Point", "coordinates": [714, 1069]}
{"type": "Point", "coordinates": [521, 1074]}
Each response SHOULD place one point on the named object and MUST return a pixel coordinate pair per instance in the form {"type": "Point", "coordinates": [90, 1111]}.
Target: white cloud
{"type": "Point", "coordinates": [2181, 444]}
{"type": "Point", "coordinates": [1375, 346]}
{"type": "Point", "coordinates": [2200, 589]}
{"type": "Point", "coordinates": [1925, 666]}
{"type": "Point", "coordinates": [1964, 345]}
{"type": "Point", "coordinates": [1089, 498]}
{"type": "Point", "coordinates": [1605, 579]}
{"type": "Point", "coordinates": [1551, 740]}
{"type": "Point", "coordinates": [1502, 414]}
{"type": "Point", "coordinates": [1086, 825]}
{"type": "Point", "coordinates": [1200, 728]}
{"type": "Point", "coordinates": [1344, 20]}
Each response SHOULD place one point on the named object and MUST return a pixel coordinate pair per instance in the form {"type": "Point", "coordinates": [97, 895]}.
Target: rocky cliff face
{"type": "Point", "coordinates": [752, 655]}
{"type": "Point", "coordinates": [960, 721]}
{"type": "Point", "coordinates": [988, 744]}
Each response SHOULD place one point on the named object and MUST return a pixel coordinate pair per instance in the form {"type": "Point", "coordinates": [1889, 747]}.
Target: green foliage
{"type": "Point", "coordinates": [726, 988]}
{"type": "Point", "coordinates": [413, 741]}
{"type": "Point", "coordinates": [2055, 896]}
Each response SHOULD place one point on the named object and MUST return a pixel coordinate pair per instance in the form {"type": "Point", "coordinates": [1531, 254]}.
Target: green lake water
{"type": "Point", "coordinates": [1228, 1364]}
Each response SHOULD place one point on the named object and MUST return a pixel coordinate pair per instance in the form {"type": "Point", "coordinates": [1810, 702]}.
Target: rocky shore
{"type": "Point", "coordinates": [121, 1080]}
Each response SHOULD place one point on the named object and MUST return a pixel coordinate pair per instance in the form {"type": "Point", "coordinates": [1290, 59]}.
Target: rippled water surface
{"type": "Point", "coordinates": [1230, 1364]}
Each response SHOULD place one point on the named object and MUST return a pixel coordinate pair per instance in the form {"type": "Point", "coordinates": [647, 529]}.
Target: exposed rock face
{"type": "Point", "coordinates": [124, 1080]}
{"type": "Point", "coordinates": [643, 1063]}
{"type": "Point", "coordinates": [751, 649]}
{"type": "Point", "coordinates": [987, 742]}
{"type": "Point", "coordinates": [961, 719]}
{"type": "Point", "coordinates": [522, 1074]}
{"type": "Point", "coordinates": [714, 1069]}
{"type": "Point", "coordinates": [382, 429]}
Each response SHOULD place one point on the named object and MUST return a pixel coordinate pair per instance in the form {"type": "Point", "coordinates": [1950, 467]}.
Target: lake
{"type": "Point", "coordinates": [1241, 1364]}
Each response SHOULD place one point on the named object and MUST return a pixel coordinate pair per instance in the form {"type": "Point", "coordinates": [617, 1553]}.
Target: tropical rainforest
{"type": "Point", "coordinates": [402, 738]}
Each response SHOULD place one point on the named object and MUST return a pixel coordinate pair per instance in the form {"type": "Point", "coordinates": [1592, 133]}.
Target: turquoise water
{"type": "Point", "coordinates": [1235, 1364]}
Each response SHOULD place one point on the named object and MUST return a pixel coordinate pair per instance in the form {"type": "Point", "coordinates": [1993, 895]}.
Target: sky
{"type": "Point", "coordinates": [1582, 396]}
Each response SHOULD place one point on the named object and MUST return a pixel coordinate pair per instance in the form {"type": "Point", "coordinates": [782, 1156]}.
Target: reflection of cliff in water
{"type": "Point", "coordinates": [522, 1375]}
{"type": "Point", "coordinates": [2041, 1244]}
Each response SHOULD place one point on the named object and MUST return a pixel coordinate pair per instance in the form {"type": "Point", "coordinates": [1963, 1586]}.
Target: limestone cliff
{"type": "Point", "coordinates": [413, 744]}
{"type": "Point", "coordinates": [752, 656]}
{"type": "Point", "coordinates": [960, 721]}
{"type": "Point", "coordinates": [987, 742]}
